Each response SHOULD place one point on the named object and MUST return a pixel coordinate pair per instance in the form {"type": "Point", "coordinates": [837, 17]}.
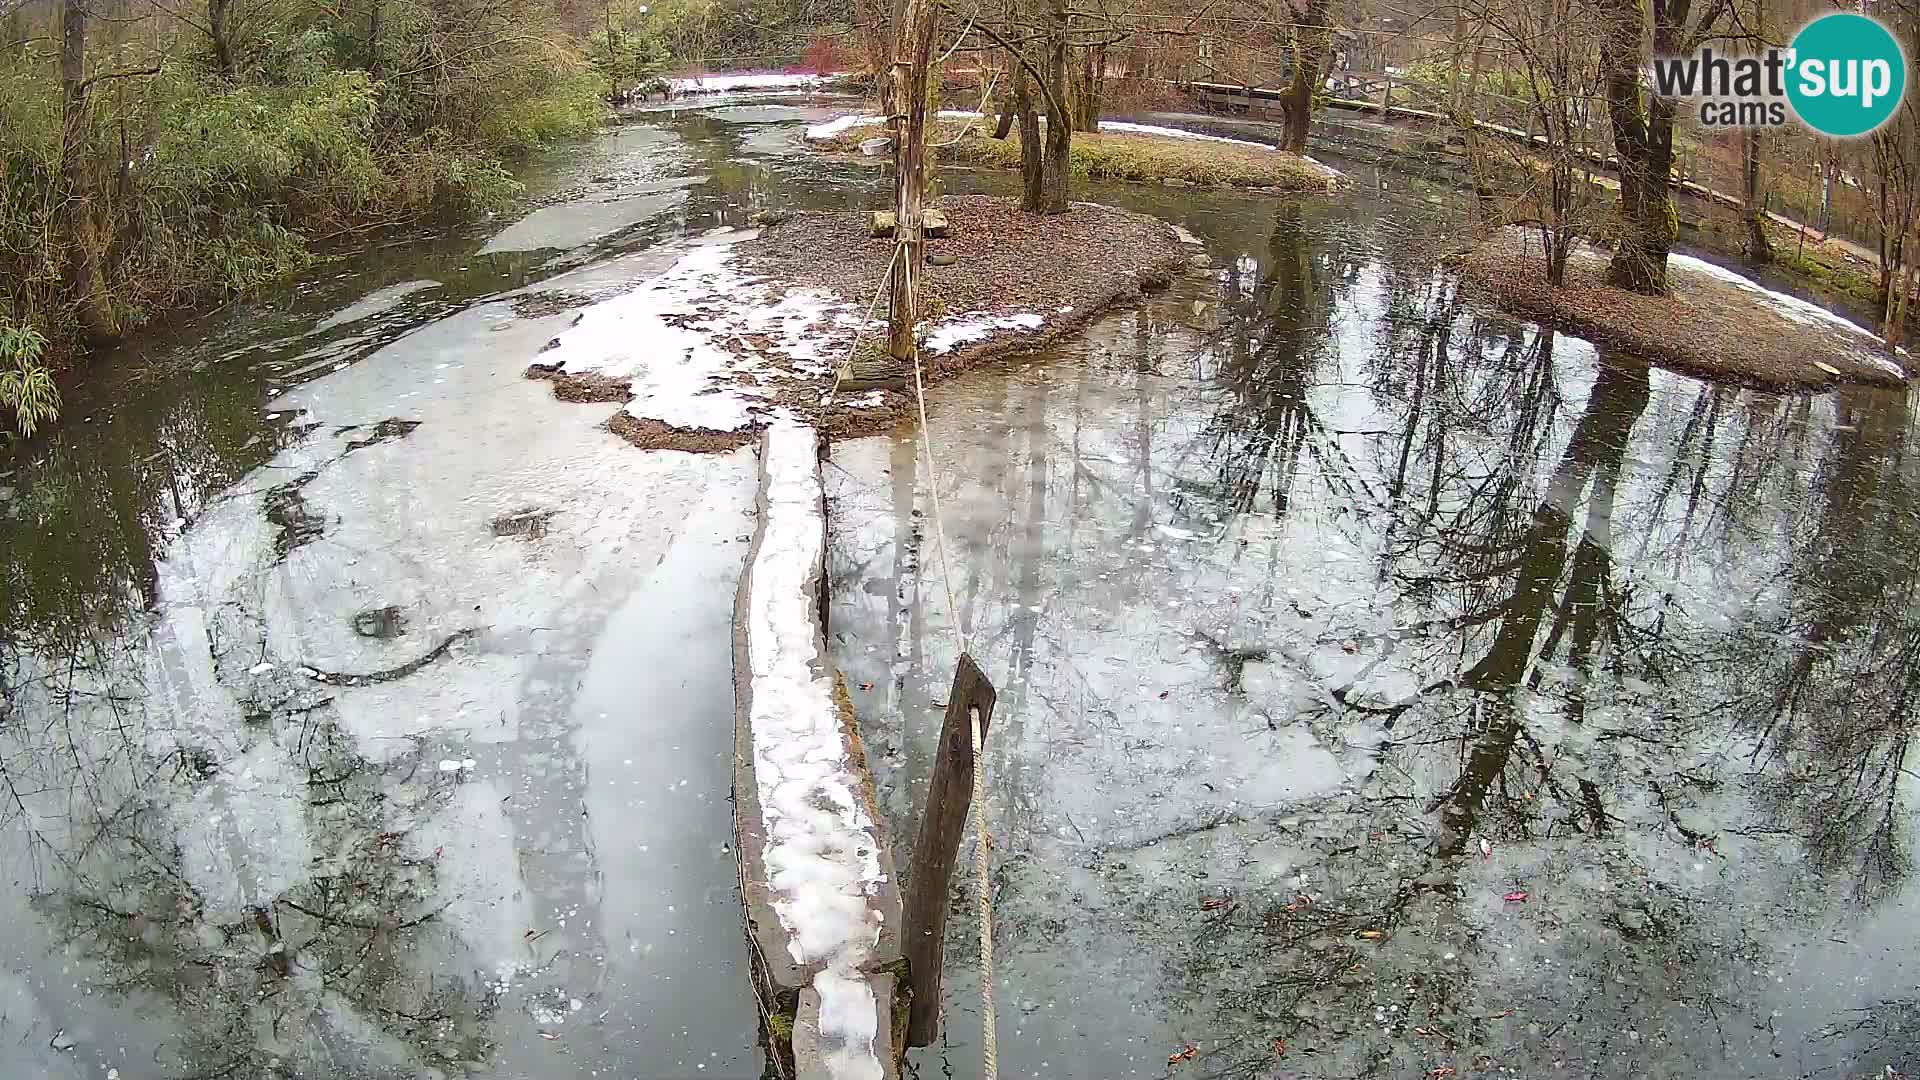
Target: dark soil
{"type": "Point", "coordinates": [528, 524]}
{"type": "Point", "coordinates": [650, 434]}
{"type": "Point", "coordinates": [1704, 326]}
{"type": "Point", "coordinates": [1003, 262]}
{"type": "Point", "coordinates": [579, 388]}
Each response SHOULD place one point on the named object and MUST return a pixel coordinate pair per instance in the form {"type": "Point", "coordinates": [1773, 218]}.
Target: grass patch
{"type": "Point", "coordinates": [1123, 156]}
{"type": "Point", "coordinates": [1705, 326]}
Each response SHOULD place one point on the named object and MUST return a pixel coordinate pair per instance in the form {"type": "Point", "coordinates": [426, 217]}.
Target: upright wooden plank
{"type": "Point", "coordinates": [942, 826]}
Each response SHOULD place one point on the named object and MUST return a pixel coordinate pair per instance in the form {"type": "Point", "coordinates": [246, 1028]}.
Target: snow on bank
{"type": "Point", "coordinates": [1793, 307]}
{"type": "Point", "coordinates": [838, 124]}
{"type": "Point", "coordinates": [721, 84]}
{"type": "Point", "coordinates": [821, 854]}
{"type": "Point", "coordinates": [830, 128]}
{"type": "Point", "coordinates": [976, 326]}
{"type": "Point", "coordinates": [675, 340]}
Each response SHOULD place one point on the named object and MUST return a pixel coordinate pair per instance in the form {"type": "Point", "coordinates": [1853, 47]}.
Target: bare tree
{"type": "Point", "coordinates": [1642, 125]}
{"type": "Point", "coordinates": [1312, 37]}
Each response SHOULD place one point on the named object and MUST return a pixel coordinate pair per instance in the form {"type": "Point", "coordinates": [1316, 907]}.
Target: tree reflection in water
{"type": "Point", "coordinates": [1635, 623]}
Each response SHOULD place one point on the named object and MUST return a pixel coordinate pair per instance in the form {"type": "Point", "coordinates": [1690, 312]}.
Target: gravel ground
{"type": "Point", "coordinates": [1067, 268]}
{"type": "Point", "coordinates": [1705, 326]}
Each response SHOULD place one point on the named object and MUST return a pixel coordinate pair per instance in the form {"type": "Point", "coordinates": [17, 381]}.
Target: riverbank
{"type": "Point", "coordinates": [749, 324]}
{"type": "Point", "coordinates": [201, 186]}
{"type": "Point", "coordinates": [1712, 323]}
{"type": "Point", "coordinates": [1132, 152]}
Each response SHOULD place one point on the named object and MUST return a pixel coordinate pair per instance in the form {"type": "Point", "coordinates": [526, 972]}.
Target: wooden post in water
{"type": "Point", "coordinates": [942, 825]}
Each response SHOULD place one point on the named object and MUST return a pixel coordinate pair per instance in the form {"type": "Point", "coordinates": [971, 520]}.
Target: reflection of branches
{"type": "Point", "coordinates": [1834, 710]}
{"type": "Point", "coordinates": [1270, 351]}
{"type": "Point", "coordinates": [338, 938]}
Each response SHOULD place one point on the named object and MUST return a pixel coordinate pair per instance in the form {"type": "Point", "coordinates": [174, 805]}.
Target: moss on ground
{"type": "Point", "coordinates": [1123, 156]}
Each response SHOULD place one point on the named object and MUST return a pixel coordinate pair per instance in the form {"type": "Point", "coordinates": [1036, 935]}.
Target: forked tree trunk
{"type": "Point", "coordinates": [1009, 107]}
{"type": "Point", "coordinates": [1087, 87]}
{"type": "Point", "coordinates": [1643, 142]}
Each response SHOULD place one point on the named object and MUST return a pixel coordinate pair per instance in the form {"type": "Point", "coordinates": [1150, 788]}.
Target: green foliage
{"type": "Point", "coordinates": [26, 387]}
{"type": "Point", "coordinates": [627, 52]}
{"type": "Point", "coordinates": [196, 183]}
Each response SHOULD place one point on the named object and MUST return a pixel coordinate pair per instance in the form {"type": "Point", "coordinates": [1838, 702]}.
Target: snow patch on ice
{"type": "Point", "coordinates": [668, 339]}
{"type": "Point", "coordinates": [975, 326]}
{"type": "Point", "coordinates": [821, 855]}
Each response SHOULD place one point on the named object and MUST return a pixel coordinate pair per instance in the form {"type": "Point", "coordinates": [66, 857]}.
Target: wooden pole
{"type": "Point", "coordinates": [912, 51]}
{"type": "Point", "coordinates": [949, 792]}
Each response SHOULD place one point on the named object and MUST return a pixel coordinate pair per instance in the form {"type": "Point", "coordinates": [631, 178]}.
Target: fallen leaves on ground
{"type": "Point", "coordinates": [1705, 326]}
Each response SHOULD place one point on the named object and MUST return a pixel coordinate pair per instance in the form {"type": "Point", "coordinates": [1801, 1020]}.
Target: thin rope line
{"type": "Point", "coordinates": [933, 492]}
{"type": "Point", "coordinates": [989, 1038]}
{"type": "Point", "coordinates": [846, 363]}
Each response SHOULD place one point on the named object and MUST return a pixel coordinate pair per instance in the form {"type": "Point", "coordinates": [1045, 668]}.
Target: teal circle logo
{"type": "Point", "coordinates": [1847, 76]}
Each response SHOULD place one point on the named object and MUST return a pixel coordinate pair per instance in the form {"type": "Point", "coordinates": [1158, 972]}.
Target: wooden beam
{"type": "Point", "coordinates": [942, 825]}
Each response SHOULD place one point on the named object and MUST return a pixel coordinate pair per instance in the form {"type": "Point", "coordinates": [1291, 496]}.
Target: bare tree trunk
{"type": "Point", "coordinates": [1893, 327]}
{"type": "Point", "coordinates": [1310, 45]}
{"type": "Point", "coordinates": [879, 33]}
{"type": "Point", "coordinates": [1753, 199]}
{"type": "Point", "coordinates": [1086, 91]}
{"type": "Point", "coordinates": [220, 31]}
{"type": "Point", "coordinates": [1009, 108]}
{"type": "Point", "coordinates": [377, 11]}
{"type": "Point", "coordinates": [1456, 56]}
{"type": "Point", "coordinates": [1032, 153]}
{"type": "Point", "coordinates": [1054, 172]}
{"type": "Point", "coordinates": [1643, 142]}
{"type": "Point", "coordinates": [80, 228]}
{"type": "Point", "coordinates": [912, 50]}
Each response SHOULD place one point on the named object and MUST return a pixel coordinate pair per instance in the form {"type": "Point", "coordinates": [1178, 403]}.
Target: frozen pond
{"type": "Point", "coordinates": [1389, 687]}
{"type": "Point", "coordinates": [366, 712]}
